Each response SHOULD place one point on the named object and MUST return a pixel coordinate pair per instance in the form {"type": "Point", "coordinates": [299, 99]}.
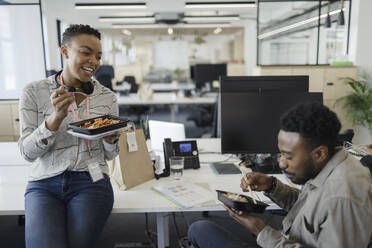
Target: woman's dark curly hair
{"type": "Point", "coordinates": [76, 29]}
{"type": "Point", "coordinates": [316, 123]}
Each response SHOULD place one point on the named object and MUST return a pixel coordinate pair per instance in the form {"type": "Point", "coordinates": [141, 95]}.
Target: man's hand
{"type": "Point", "coordinates": [257, 181]}
{"type": "Point", "coordinates": [112, 138]}
{"type": "Point", "coordinates": [254, 225]}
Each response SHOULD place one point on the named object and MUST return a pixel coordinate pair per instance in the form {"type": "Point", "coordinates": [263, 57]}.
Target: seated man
{"type": "Point", "coordinates": [334, 207]}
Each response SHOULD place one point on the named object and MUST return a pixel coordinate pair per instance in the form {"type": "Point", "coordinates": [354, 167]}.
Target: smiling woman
{"type": "Point", "coordinates": [69, 195]}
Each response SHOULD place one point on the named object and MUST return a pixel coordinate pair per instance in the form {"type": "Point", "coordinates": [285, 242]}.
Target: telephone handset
{"type": "Point", "coordinates": [186, 149]}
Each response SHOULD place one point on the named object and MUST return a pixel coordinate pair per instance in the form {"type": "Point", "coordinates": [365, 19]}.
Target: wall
{"type": "Point", "coordinates": [360, 34]}
{"type": "Point", "coordinates": [250, 46]}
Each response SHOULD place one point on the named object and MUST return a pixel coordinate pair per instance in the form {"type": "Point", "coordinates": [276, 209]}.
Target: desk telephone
{"type": "Point", "coordinates": [186, 149]}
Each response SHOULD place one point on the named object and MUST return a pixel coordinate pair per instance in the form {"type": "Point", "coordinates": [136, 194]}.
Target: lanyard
{"type": "Point", "coordinates": [77, 117]}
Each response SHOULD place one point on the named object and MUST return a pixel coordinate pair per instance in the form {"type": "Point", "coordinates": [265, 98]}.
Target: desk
{"type": "Point", "coordinates": [12, 199]}
{"type": "Point", "coordinates": [170, 99]}
{"type": "Point", "coordinates": [161, 87]}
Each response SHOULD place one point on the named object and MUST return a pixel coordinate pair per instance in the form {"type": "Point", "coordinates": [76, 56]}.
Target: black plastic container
{"type": "Point", "coordinates": [75, 126]}
{"type": "Point", "coordinates": [242, 206]}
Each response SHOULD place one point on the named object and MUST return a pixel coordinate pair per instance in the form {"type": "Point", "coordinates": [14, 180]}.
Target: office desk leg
{"type": "Point", "coordinates": [173, 113]}
{"type": "Point", "coordinates": [162, 226]}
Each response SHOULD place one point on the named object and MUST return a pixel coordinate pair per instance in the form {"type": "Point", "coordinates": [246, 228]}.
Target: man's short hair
{"type": "Point", "coordinates": [315, 123]}
{"type": "Point", "coordinates": [77, 29]}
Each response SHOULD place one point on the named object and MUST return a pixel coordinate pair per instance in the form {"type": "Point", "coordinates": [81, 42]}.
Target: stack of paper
{"type": "Point", "coordinates": [183, 195]}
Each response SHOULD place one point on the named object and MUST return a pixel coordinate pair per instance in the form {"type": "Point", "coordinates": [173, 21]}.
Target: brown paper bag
{"type": "Point", "coordinates": [135, 167]}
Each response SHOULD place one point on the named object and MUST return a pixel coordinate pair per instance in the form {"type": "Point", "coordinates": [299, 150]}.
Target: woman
{"type": "Point", "coordinates": [69, 196]}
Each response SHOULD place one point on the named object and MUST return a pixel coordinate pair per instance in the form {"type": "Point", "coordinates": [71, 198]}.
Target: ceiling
{"type": "Point", "coordinates": [65, 10]}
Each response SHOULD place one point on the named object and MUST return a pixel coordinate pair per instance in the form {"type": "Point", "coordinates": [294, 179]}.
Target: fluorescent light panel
{"type": "Point", "coordinates": [206, 25]}
{"type": "Point", "coordinates": [127, 19]}
{"type": "Point", "coordinates": [217, 30]}
{"type": "Point", "coordinates": [212, 18]}
{"type": "Point", "coordinates": [202, 5]}
{"type": "Point", "coordinates": [297, 24]}
{"type": "Point", "coordinates": [93, 6]}
{"type": "Point", "coordinates": [126, 32]}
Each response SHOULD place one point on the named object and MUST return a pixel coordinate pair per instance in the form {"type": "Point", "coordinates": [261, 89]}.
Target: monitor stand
{"type": "Point", "coordinates": [267, 165]}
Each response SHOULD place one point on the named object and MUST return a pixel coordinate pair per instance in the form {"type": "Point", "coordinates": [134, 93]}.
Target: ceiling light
{"type": "Point", "coordinates": [212, 18]}
{"type": "Point", "coordinates": [170, 31]}
{"type": "Point", "coordinates": [126, 32]}
{"type": "Point", "coordinates": [328, 22]}
{"type": "Point", "coordinates": [200, 5]}
{"type": "Point", "coordinates": [217, 30]}
{"type": "Point", "coordinates": [295, 25]}
{"type": "Point", "coordinates": [341, 18]}
{"type": "Point", "coordinates": [196, 25]}
{"type": "Point", "coordinates": [127, 19]}
{"type": "Point", "coordinates": [110, 5]}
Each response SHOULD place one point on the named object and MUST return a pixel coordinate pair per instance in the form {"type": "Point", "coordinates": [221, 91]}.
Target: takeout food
{"type": "Point", "coordinates": [235, 197]}
{"type": "Point", "coordinates": [99, 122]}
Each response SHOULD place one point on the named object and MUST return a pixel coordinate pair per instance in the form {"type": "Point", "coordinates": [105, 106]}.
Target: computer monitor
{"type": "Point", "coordinates": [207, 73]}
{"type": "Point", "coordinates": [264, 83]}
{"type": "Point", "coordinates": [192, 74]}
{"type": "Point", "coordinates": [250, 121]}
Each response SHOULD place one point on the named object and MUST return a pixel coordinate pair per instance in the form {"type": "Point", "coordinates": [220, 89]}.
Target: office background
{"type": "Point", "coordinates": [264, 37]}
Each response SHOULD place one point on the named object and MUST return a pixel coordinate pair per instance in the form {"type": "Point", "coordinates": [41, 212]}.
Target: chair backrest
{"type": "Point", "coordinates": [133, 85]}
{"type": "Point", "coordinates": [105, 80]}
{"type": "Point", "coordinates": [367, 162]}
{"type": "Point", "coordinates": [104, 75]}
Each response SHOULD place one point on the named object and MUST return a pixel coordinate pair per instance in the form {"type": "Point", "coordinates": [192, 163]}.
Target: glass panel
{"type": "Point", "coordinates": [21, 48]}
{"type": "Point", "coordinates": [333, 39]}
{"type": "Point", "coordinates": [288, 33]}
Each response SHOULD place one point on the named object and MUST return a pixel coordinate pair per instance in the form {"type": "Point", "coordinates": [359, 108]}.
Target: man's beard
{"type": "Point", "coordinates": [308, 174]}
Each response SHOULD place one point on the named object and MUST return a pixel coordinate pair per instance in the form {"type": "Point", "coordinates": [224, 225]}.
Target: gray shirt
{"type": "Point", "coordinates": [63, 151]}
{"type": "Point", "coordinates": [334, 209]}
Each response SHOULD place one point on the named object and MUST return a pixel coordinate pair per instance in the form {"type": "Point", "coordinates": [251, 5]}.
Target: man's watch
{"type": "Point", "coordinates": [273, 185]}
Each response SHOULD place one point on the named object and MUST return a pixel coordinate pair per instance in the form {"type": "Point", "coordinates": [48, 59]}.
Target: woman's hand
{"type": "Point", "coordinates": [61, 100]}
{"type": "Point", "coordinates": [254, 225]}
{"type": "Point", "coordinates": [257, 181]}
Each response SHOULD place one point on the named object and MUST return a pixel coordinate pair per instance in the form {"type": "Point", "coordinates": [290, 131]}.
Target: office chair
{"type": "Point", "coordinates": [347, 135]}
{"type": "Point", "coordinates": [104, 75]}
{"type": "Point", "coordinates": [137, 111]}
{"type": "Point", "coordinates": [132, 81]}
{"type": "Point", "coordinates": [367, 162]}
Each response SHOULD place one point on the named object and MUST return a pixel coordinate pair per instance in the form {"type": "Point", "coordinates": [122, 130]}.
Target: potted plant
{"type": "Point", "coordinates": [358, 106]}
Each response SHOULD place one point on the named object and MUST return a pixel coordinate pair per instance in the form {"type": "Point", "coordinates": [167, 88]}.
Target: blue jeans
{"type": "Point", "coordinates": [66, 211]}
{"type": "Point", "coordinates": [206, 234]}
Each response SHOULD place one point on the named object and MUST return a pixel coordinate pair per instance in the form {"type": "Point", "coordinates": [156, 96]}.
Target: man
{"type": "Point", "coordinates": [334, 207]}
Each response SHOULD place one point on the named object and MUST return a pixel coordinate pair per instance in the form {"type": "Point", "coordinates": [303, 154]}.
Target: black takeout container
{"type": "Point", "coordinates": [242, 206]}
{"type": "Point", "coordinates": [75, 126]}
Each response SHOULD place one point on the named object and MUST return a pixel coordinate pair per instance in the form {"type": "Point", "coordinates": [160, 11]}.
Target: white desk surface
{"type": "Point", "coordinates": [165, 98]}
{"type": "Point", "coordinates": [162, 87]}
{"type": "Point", "coordinates": [139, 199]}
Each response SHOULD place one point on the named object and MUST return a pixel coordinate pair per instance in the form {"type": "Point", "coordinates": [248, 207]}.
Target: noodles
{"type": "Point", "coordinates": [99, 122]}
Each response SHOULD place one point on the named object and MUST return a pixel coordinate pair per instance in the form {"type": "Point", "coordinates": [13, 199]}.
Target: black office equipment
{"type": "Point", "coordinates": [259, 84]}
{"type": "Point", "coordinates": [241, 203]}
{"type": "Point", "coordinates": [225, 168]}
{"type": "Point", "coordinates": [186, 149]}
{"type": "Point", "coordinates": [207, 73]}
{"type": "Point", "coordinates": [250, 121]}
{"type": "Point", "coordinates": [251, 107]}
